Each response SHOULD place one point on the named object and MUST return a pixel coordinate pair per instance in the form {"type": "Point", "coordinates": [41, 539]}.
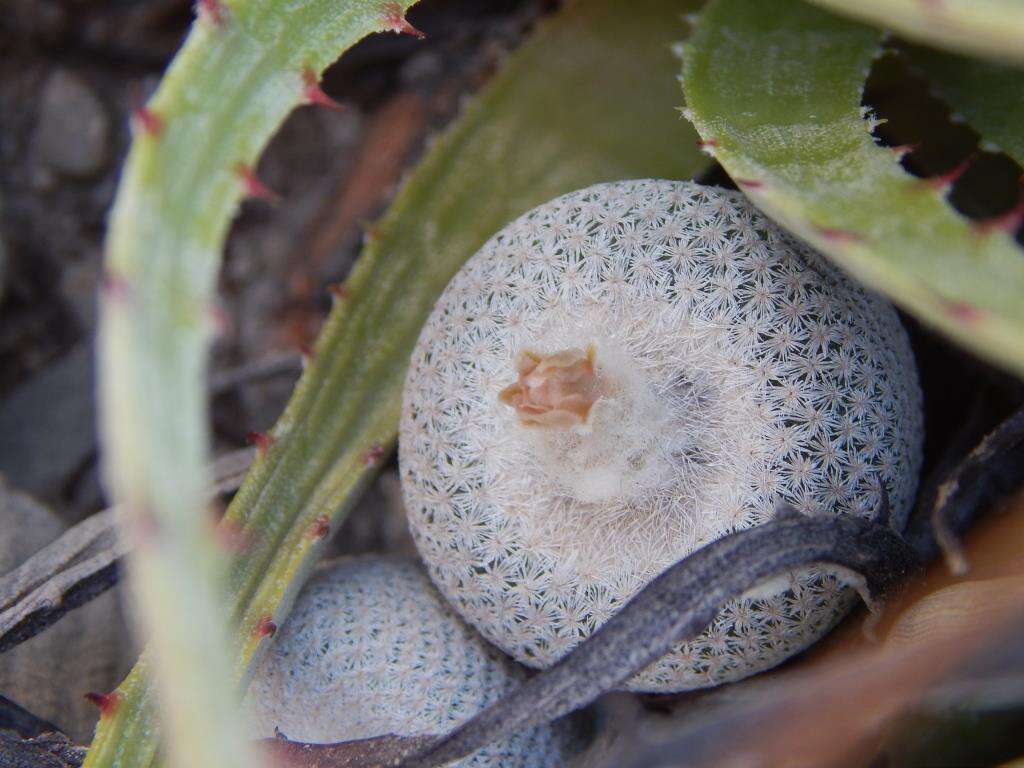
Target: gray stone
{"type": "Point", "coordinates": [73, 130]}
{"type": "Point", "coordinates": [79, 282]}
{"type": "Point", "coordinates": [47, 425]}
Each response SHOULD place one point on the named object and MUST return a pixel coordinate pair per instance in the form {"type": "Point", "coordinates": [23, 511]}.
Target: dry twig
{"type": "Point", "coordinates": [80, 565]}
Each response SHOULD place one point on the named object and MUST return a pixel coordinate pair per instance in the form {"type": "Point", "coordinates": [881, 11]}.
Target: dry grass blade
{"type": "Point", "coordinates": [957, 646]}
{"type": "Point", "coordinates": [68, 573]}
{"type": "Point", "coordinates": [256, 370]}
{"type": "Point", "coordinates": [945, 516]}
{"type": "Point", "coordinates": [963, 489]}
{"type": "Point", "coordinates": [80, 565]}
{"type": "Point", "coordinates": [85, 540]}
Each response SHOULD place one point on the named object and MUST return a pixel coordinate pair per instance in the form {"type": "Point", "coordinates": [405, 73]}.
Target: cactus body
{"type": "Point", "coordinates": [725, 369]}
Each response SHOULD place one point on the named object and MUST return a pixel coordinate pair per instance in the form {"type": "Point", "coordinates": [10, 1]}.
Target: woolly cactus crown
{"type": "Point", "coordinates": [625, 374]}
{"type": "Point", "coordinates": [371, 649]}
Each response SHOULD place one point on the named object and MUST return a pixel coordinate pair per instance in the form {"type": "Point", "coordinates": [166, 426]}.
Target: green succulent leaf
{"type": "Point", "coordinates": [774, 88]}
{"type": "Point", "coordinates": [990, 28]}
{"type": "Point", "coordinates": [988, 96]}
{"type": "Point", "coordinates": [541, 128]}
{"type": "Point", "coordinates": [244, 67]}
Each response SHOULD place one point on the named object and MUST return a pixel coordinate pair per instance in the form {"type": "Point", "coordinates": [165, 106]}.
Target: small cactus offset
{"type": "Point", "coordinates": [989, 28]}
{"type": "Point", "coordinates": [774, 89]}
{"type": "Point", "coordinates": [199, 139]}
{"type": "Point", "coordinates": [372, 649]}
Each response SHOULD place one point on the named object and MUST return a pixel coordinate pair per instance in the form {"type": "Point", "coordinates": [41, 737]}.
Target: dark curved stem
{"type": "Point", "coordinates": [952, 505]}
{"type": "Point", "coordinates": [79, 566]}
{"type": "Point", "coordinates": [675, 606]}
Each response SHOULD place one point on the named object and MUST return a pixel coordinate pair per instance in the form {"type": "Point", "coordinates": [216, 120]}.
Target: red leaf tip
{"type": "Point", "coordinates": [265, 627]}
{"type": "Point", "coordinates": [253, 186]}
{"type": "Point", "coordinates": [371, 232]}
{"type": "Point", "coordinates": [373, 454]}
{"type": "Point", "coordinates": [950, 177]}
{"type": "Point", "coordinates": [1008, 222]}
{"type": "Point", "coordinates": [106, 702]}
{"type": "Point", "coordinates": [212, 10]}
{"type": "Point", "coordinates": [148, 121]}
{"type": "Point", "coordinates": [839, 235]}
{"type": "Point", "coordinates": [962, 311]}
{"type": "Point", "coordinates": [114, 286]}
{"type": "Point", "coordinates": [262, 441]}
{"type": "Point", "coordinates": [320, 527]}
{"type": "Point", "coordinates": [231, 536]}
{"type": "Point", "coordinates": [904, 149]}
{"type": "Point", "coordinates": [219, 319]}
{"type": "Point", "coordinates": [395, 21]}
{"type": "Point", "coordinates": [313, 93]}
{"type": "Point", "coordinates": [338, 291]}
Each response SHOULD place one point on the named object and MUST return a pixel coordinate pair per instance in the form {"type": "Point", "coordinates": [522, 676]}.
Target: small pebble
{"type": "Point", "coordinates": [73, 130]}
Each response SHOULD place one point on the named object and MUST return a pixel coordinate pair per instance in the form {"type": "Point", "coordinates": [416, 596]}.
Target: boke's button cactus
{"type": "Point", "coordinates": [625, 374]}
{"type": "Point", "coordinates": [371, 649]}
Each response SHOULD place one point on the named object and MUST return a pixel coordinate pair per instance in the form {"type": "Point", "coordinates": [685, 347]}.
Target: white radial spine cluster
{"type": "Point", "coordinates": [371, 649]}
{"type": "Point", "coordinates": [625, 374]}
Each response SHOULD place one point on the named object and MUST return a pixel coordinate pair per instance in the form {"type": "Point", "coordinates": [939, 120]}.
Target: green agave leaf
{"type": "Point", "coordinates": [990, 28]}
{"type": "Point", "coordinates": [774, 89]}
{"type": "Point", "coordinates": [990, 97]}
{"type": "Point", "coordinates": [588, 98]}
{"type": "Point", "coordinates": [245, 65]}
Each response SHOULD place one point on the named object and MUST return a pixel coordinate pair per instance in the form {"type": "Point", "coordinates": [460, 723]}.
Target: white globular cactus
{"type": "Point", "coordinates": [625, 374]}
{"type": "Point", "coordinates": [371, 649]}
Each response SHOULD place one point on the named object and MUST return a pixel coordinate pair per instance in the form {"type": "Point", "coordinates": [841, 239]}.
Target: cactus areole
{"type": "Point", "coordinates": [625, 374]}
